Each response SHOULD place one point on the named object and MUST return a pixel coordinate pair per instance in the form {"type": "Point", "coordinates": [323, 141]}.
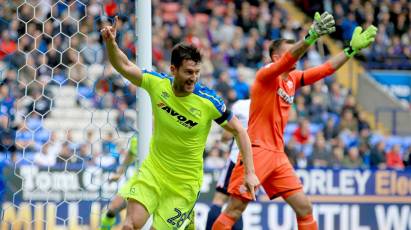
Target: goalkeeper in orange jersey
{"type": "Point", "coordinates": [272, 95]}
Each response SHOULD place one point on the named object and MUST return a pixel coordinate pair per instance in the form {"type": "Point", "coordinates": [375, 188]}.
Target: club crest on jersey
{"type": "Point", "coordinates": [181, 119]}
{"type": "Point", "coordinates": [287, 98]}
{"type": "Point", "coordinates": [290, 84]}
{"type": "Point", "coordinates": [195, 112]}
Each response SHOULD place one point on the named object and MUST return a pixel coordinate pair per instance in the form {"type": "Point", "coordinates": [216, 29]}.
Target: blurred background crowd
{"type": "Point", "coordinates": [50, 46]}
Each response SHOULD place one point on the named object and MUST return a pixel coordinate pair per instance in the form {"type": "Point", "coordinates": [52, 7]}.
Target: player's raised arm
{"type": "Point", "coordinates": [117, 58]}
{"type": "Point", "coordinates": [323, 24]}
{"type": "Point", "coordinates": [243, 141]}
{"type": "Point", "coordinates": [360, 40]}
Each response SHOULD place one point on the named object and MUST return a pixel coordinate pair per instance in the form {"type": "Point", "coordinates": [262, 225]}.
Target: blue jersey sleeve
{"type": "Point", "coordinates": [220, 113]}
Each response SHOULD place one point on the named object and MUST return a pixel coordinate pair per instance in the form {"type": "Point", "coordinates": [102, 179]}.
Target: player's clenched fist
{"type": "Point", "coordinates": [323, 24]}
{"type": "Point", "coordinates": [109, 32]}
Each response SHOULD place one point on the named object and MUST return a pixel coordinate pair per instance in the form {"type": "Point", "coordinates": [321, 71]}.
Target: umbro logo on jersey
{"type": "Point", "coordinates": [287, 98]}
{"type": "Point", "coordinates": [165, 95]}
{"type": "Point", "coordinates": [180, 118]}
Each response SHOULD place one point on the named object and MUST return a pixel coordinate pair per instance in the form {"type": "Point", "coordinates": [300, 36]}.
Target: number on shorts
{"type": "Point", "coordinates": [180, 216]}
{"type": "Point", "coordinates": [171, 220]}
{"type": "Point", "coordinates": [181, 220]}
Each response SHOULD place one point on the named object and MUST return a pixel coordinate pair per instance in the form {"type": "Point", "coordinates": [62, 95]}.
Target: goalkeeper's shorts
{"type": "Point", "coordinates": [172, 205]}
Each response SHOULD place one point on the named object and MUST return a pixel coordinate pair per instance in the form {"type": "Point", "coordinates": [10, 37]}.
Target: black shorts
{"type": "Point", "coordinates": [224, 180]}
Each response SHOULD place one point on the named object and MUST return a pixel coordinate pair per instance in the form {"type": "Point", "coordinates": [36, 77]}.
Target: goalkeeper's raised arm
{"type": "Point", "coordinates": [323, 24]}
{"type": "Point", "coordinates": [117, 58]}
{"type": "Point", "coordinates": [360, 40]}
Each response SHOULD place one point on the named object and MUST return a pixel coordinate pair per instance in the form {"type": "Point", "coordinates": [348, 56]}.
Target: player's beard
{"type": "Point", "coordinates": [185, 87]}
{"type": "Point", "coordinates": [189, 86]}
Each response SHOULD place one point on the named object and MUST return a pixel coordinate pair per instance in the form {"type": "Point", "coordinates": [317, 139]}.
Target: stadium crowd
{"type": "Point", "coordinates": [392, 49]}
{"type": "Point", "coordinates": [327, 128]}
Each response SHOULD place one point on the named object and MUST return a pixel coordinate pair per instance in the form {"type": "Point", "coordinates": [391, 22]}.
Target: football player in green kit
{"type": "Point", "coordinates": [168, 183]}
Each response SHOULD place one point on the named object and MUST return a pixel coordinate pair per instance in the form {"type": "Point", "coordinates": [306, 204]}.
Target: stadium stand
{"type": "Point", "coordinates": [327, 127]}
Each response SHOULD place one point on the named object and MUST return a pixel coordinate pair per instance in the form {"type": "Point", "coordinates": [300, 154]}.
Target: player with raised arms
{"type": "Point", "coordinates": [272, 95]}
{"type": "Point", "coordinates": [168, 183]}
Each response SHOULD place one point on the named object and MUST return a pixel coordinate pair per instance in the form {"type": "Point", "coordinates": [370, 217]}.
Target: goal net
{"type": "Point", "coordinates": [70, 114]}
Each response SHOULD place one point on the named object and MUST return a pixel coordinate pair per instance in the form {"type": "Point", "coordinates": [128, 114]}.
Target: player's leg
{"type": "Point", "coordinates": [142, 192]}
{"type": "Point", "coordinates": [108, 219]}
{"type": "Point", "coordinates": [137, 215]}
{"type": "Point", "coordinates": [239, 198]}
{"type": "Point", "coordinates": [219, 200]}
{"type": "Point", "coordinates": [303, 209]}
{"type": "Point", "coordinates": [284, 182]}
{"type": "Point", "coordinates": [231, 214]}
{"type": "Point", "coordinates": [221, 197]}
{"type": "Point", "coordinates": [176, 205]}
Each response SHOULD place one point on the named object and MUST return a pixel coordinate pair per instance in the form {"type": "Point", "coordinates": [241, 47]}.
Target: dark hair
{"type": "Point", "coordinates": [184, 51]}
{"type": "Point", "coordinates": [276, 44]}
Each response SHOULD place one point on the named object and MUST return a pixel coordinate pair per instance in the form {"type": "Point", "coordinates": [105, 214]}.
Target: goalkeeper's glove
{"type": "Point", "coordinates": [323, 24]}
{"type": "Point", "coordinates": [360, 40]}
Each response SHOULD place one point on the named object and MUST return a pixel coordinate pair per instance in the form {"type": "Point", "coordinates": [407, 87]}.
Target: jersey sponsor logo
{"type": "Point", "coordinates": [287, 98]}
{"type": "Point", "coordinates": [180, 118]}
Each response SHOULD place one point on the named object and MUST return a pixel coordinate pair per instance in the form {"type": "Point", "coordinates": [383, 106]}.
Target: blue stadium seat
{"type": "Point", "coordinates": [315, 128]}
{"type": "Point", "coordinates": [290, 128]}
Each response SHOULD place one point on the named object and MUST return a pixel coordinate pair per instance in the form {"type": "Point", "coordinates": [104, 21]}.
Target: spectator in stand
{"type": "Point", "coordinates": [6, 99]}
{"type": "Point", "coordinates": [322, 155]}
{"type": "Point", "coordinates": [352, 159]}
{"type": "Point", "coordinates": [317, 110]}
{"type": "Point", "coordinates": [214, 159]}
{"type": "Point", "coordinates": [41, 104]}
{"type": "Point", "coordinates": [299, 107]}
{"type": "Point", "coordinates": [85, 155]}
{"type": "Point", "coordinates": [377, 156]}
{"type": "Point", "coordinates": [223, 85]}
{"type": "Point", "coordinates": [330, 130]}
{"type": "Point", "coordinates": [362, 122]}
{"type": "Point", "coordinates": [336, 98]}
{"type": "Point", "coordinates": [337, 157]}
{"type": "Point", "coordinates": [125, 123]}
{"type": "Point", "coordinates": [7, 136]}
{"type": "Point", "coordinates": [66, 155]}
{"type": "Point", "coordinates": [7, 45]}
{"type": "Point", "coordinates": [108, 146]}
{"type": "Point", "coordinates": [407, 157]}
{"type": "Point", "coordinates": [350, 104]}
{"type": "Point", "coordinates": [241, 87]}
{"type": "Point", "coordinates": [44, 157]}
{"type": "Point", "coordinates": [302, 134]}
{"type": "Point", "coordinates": [348, 122]}
{"type": "Point", "coordinates": [365, 153]}
{"type": "Point", "coordinates": [394, 159]}
{"type": "Point", "coordinates": [291, 150]}
{"type": "Point", "coordinates": [24, 139]}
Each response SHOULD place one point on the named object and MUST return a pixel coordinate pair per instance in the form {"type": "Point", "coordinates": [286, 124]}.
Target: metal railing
{"type": "Point", "coordinates": [398, 118]}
